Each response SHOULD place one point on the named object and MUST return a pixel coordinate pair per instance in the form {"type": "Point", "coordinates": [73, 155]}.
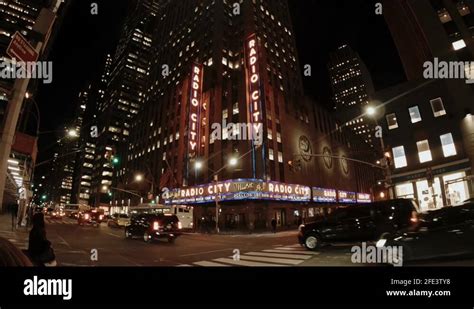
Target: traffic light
{"type": "Point", "coordinates": [115, 160]}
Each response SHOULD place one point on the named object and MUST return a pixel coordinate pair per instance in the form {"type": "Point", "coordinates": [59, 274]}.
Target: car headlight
{"type": "Point", "coordinates": [381, 243]}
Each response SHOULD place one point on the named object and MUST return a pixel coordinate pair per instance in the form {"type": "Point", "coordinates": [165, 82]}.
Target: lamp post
{"type": "Point", "coordinates": [372, 112]}
{"type": "Point", "coordinates": [198, 165]}
{"type": "Point", "coordinates": [140, 178]}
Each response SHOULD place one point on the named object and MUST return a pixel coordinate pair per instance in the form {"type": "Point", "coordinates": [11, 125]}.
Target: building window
{"type": "Point", "coordinates": [449, 149]}
{"type": "Point", "coordinates": [280, 156]}
{"type": "Point", "coordinates": [444, 16]}
{"type": "Point", "coordinates": [438, 107]}
{"type": "Point", "coordinates": [392, 121]}
{"type": "Point", "coordinates": [278, 137]}
{"type": "Point", "coordinates": [225, 114]}
{"type": "Point", "coordinates": [270, 154]}
{"type": "Point", "coordinates": [399, 157]}
{"type": "Point", "coordinates": [463, 9]}
{"type": "Point", "coordinates": [460, 44]}
{"type": "Point", "coordinates": [415, 114]}
{"type": "Point", "coordinates": [424, 152]}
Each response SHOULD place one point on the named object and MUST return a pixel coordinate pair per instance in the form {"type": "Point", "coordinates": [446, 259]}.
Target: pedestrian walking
{"type": "Point", "coordinates": [274, 225]}
{"type": "Point", "coordinates": [39, 247]}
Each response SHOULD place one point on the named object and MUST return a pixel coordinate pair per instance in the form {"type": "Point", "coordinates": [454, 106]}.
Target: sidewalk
{"type": "Point", "coordinates": [18, 236]}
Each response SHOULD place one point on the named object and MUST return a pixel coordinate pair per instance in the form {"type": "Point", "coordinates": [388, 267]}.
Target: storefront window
{"type": "Point", "coordinates": [429, 198]}
{"type": "Point", "coordinates": [456, 188]}
{"type": "Point", "coordinates": [405, 190]}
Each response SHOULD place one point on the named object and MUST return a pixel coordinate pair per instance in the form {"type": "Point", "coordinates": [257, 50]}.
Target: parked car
{"type": "Point", "coordinates": [359, 223]}
{"type": "Point", "coordinates": [448, 231]}
{"type": "Point", "coordinates": [118, 220]}
{"type": "Point", "coordinates": [92, 217]}
{"type": "Point", "coordinates": [150, 227]}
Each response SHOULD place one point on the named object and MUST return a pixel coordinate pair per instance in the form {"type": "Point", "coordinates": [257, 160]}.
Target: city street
{"type": "Point", "coordinates": [73, 245]}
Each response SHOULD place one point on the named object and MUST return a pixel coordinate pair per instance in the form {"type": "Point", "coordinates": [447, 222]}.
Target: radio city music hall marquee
{"type": "Point", "coordinates": [239, 189]}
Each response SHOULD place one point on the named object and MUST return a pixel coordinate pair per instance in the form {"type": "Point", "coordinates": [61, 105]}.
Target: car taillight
{"type": "Point", "coordinates": [86, 216]}
{"type": "Point", "coordinates": [156, 226]}
{"type": "Point", "coordinates": [180, 226]}
{"type": "Point", "coordinates": [414, 217]}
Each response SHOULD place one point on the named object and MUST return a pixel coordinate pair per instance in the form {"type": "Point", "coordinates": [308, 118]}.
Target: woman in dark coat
{"type": "Point", "coordinates": [39, 247]}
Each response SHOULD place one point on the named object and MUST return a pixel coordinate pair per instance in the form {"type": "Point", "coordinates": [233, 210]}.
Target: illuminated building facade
{"type": "Point", "coordinates": [226, 118]}
{"type": "Point", "coordinates": [352, 87]}
{"type": "Point", "coordinates": [124, 94]}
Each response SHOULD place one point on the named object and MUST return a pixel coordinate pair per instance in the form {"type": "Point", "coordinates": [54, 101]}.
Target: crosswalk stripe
{"type": "Point", "coordinates": [271, 260]}
{"type": "Point", "coordinates": [292, 249]}
{"type": "Point", "coordinates": [299, 252]}
{"type": "Point", "coordinates": [246, 263]}
{"type": "Point", "coordinates": [209, 264]}
{"type": "Point", "coordinates": [277, 255]}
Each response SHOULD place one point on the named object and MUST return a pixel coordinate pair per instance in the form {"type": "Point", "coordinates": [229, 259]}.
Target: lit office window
{"type": "Point", "coordinates": [460, 44]}
{"type": "Point", "coordinates": [270, 154]}
{"type": "Point", "coordinates": [444, 16]}
{"type": "Point", "coordinates": [438, 107]}
{"type": "Point", "coordinates": [278, 137]}
{"type": "Point", "coordinates": [392, 121]}
{"type": "Point", "coordinates": [280, 157]}
{"type": "Point", "coordinates": [463, 9]}
{"type": "Point", "coordinates": [424, 152]}
{"type": "Point", "coordinates": [414, 114]}
{"type": "Point", "coordinates": [399, 157]}
{"type": "Point", "coordinates": [449, 149]}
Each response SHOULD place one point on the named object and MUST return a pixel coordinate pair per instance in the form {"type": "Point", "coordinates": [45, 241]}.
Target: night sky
{"type": "Point", "coordinates": [320, 27]}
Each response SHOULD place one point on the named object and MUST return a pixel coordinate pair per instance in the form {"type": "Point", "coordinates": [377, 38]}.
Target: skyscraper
{"type": "Point", "coordinates": [425, 29]}
{"type": "Point", "coordinates": [125, 92]}
{"type": "Point", "coordinates": [352, 87]}
{"type": "Point", "coordinates": [225, 118]}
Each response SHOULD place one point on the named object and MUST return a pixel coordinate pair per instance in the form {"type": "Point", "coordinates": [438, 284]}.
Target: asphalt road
{"type": "Point", "coordinates": [105, 246]}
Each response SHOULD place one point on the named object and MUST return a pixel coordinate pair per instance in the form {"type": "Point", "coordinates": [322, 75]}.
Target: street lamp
{"type": "Point", "coordinates": [72, 133]}
{"type": "Point", "coordinates": [139, 177]}
{"type": "Point", "coordinates": [233, 162]}
{"type": "Point", "coordinates": [370, 111]}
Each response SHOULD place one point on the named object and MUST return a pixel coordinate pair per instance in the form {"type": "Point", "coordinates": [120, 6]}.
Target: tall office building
{"type": "Point", "coordinates": [226, 119]}
{"type": "Point", "coordinates": [429, 123]}
{"type": "Point", "coordinates": [125, 92]}
{"type": "Point", "coordinates": [426, 29]}
{"type": "Point", "coordinates": [352, 88]}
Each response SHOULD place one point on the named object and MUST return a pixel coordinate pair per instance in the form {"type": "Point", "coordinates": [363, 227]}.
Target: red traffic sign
{"type": "Point", "coordinates": [21, 50]}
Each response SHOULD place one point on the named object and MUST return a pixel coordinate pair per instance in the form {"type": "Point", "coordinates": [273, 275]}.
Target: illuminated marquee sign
{"type": "Point", "coordinates": [194, 110]}
{"type": "Point", "coordinates": [253, 83]}
{"type": "Point", "coordinates": [239, 189]}
{"type": "Point", "coordinates": [346, 197]}
{"type": "Point", "coordinates": [363, 198]}
{"type": "Point", "coordinates": [324, 195]}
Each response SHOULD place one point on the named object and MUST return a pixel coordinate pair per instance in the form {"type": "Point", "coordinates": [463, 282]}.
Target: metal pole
{"type": "Point", "coordinates": [216, 179]}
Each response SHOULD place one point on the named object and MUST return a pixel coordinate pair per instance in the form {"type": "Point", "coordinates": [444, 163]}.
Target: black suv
{"type": "Point", "coordinates": [444, 232]}
{"type": "Point", "coordinates": [150, 227]}
{"type": "Point", "coordinates": [359, 223]}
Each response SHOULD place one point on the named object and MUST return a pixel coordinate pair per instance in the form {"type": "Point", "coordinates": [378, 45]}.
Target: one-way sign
{"type": "Point", "coordinates": [21, 50]}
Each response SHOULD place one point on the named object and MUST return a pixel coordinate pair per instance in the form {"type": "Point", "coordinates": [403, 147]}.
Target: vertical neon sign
{"type": "Point", "coordinates": [253, 91]}
{"type": "Point", "coordinates": [194, 110]}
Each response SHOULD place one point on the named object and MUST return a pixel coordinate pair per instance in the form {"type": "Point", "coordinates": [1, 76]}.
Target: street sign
{"type": "Point", "coordinates": [21, 50]}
